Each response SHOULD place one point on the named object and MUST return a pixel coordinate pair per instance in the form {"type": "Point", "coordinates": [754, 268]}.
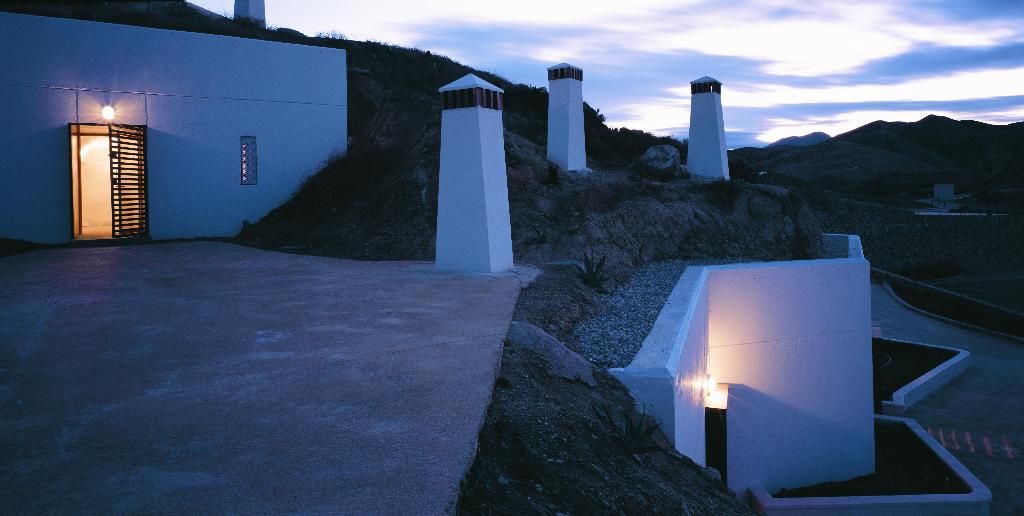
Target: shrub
{"type": "Point", "coordinates": [592, 272]}
{"type": "Point", "coordinates": [633, 434]}
{"type": "Point", "coordinates": [724, 192]}
{"type": "Point", "coordinates": [553, 175]}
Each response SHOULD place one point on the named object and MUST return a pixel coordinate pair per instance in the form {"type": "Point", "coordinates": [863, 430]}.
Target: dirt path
{"type": "Point", "coordinates": [979, 417]}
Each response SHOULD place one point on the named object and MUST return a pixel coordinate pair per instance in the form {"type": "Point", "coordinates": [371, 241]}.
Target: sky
{"type": "Point", "coordinates": [789, 67]}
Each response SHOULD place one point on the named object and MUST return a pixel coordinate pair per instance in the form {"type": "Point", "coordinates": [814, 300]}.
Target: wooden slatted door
{"type": "Point", "coordinates": [128, 188]}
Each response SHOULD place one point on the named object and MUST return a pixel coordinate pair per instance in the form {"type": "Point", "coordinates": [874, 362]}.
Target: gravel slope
{"type": "Point", "coordinates": [614, 334]}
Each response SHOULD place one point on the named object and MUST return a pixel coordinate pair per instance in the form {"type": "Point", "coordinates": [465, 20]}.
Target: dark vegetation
{"type": "Point", "coordinates": [634, 434]}
{"type": "Point", "coordinates": [903, 465]}
{"type": "Point", "coordinates": [904, 160]}
{"type": "Point", "coordinates": [724, 193]}
{"type": "Point", "coordinates": [802, 141]}
{"type": "Point", "coordinates": [898, 363]}
{"type": "Point", "coordinates": [591, 272]}
{"type": "Point", "coordinates": [897, 240]}
{"type": "Point", "coordinates": [548, 445]}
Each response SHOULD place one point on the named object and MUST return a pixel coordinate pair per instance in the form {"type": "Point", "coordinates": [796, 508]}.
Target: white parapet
{"type": "Point", "coordinates": [566, 141]}
{"type": "Point", "coordinates": [251, 9]}
{"type": "Point", "coordinates": [668, 377]}
{"type": "Point", "coordinates": [706, 150]}
{"type": "Point", "coordinates": [793, 342]}
{"type": "Point", "coordinates": [474, 233]}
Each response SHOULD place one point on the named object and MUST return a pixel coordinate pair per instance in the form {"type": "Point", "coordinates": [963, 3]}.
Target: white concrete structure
{"type": "Point", "coordinates": [933, 380]}
{"type": "Point", "coordinates": [251, 9]}
{"type": "Point", "coordinates": [474, 233]}
{"type": "Point", "coordinates": [793, 341]}
{"type": "Point", "coordinates": [198, 98]}
{"type": "Point", "coordinates": [566, 141]}
{"type": "Point", "coordinates": [669, 374]}
{"type": "Point", "coordinates": [706, 154]}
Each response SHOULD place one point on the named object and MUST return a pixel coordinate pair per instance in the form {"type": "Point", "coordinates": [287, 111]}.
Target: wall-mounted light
{"type": "Point", "coordinates": [717, 395]}
{"type": "Point", "coordinates": [108, 113]}
{"type": "Point", "coordinates": [710, 384]}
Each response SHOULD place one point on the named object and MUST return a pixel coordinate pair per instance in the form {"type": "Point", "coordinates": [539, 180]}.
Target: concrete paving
{"type": "Point", "coordinates": [206, 377]}
{"type": "Point", "coordinates": [978, 417]}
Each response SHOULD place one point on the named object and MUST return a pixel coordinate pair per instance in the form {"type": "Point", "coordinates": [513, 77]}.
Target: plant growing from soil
{"type": "Point", "coordinates": [553, 176]}
{"type": "Point", "coordinates": [633, 434]}
{"type": "Point", "coordinates": [724, 192]}
{"type": "Point", "coordinates": [592, 271]}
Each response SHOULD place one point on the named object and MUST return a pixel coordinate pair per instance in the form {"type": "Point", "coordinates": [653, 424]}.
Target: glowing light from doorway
{"type": "Point", "coordinates": [108, 113]}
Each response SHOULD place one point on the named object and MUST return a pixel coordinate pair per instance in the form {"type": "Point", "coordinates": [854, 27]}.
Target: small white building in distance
{"type": "Point", "coordinates": [706, 151]}
{"type": "Point", "coordinates": [943, 193]}
{"type": "Point", "coordinates": [474, 232]}
{"type": "Point", "coordinates": [566, 142]}
{"type": "Point", "coordinates": [251, 9]}
{"type": "Point", "coordinates": [120, 131]}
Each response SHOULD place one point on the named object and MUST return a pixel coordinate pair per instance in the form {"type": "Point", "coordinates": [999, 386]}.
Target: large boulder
{"type": "Point", "coordinates": [660, 162]}
{"type": "Point", "coordinates": [563, 361]}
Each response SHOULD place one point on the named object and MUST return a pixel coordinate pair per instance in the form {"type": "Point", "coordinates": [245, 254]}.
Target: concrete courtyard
{"type": "Point", "coordinates": [207, 377]}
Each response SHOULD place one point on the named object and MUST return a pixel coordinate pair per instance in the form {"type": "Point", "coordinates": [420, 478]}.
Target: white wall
{"type": "Point", "coordinates": [566, 145]}
{"type": "Point", "coordinates": [667, 377]}
{"type": "Point", "coordinates": [706, 151]}
{"type": "Point", "coordinates": [197, 94]}
{"type": "Point", "coordinates": [474, 232]}
{"type": "Point", "coordinates": [793, 340]}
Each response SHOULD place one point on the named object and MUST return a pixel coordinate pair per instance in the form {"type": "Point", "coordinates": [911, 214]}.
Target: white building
{"type": "Point", "coordinates": [474, 233]}
{"type": "Point", "coordinates": [706, 150]}
{"type": "Point", "coordinates": [566, 142]}
{"type": "Point", "coordinates": [943, 193]}
{"type": "Point", "coordinates": [785, 349]}
{"type": "Point", "coordinates": [113, 130]}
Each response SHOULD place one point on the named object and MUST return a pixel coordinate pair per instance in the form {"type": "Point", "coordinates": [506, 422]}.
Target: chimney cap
{"type": "Point", "coordinates": [705, 80]}
{"type": "Point", "coordinates": [559, 66]}
{"type": "Point", "coordinates": [470, 81]}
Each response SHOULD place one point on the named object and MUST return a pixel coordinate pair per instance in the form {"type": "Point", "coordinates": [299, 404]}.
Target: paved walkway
{"type": "Point", "coordinates": [978, 417]}
{"type": "Point", "coordinates": [209, 378]}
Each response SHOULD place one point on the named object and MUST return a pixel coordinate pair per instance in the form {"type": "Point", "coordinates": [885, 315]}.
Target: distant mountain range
{"type": "Point", "coordinates": [885, 157]}
{"type": "Point", "coordinates": [802, 141]}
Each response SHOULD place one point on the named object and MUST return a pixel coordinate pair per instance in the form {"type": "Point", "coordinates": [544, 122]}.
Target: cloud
{"type": "Point", "coordinates": [787, 37]}
{"type": "Point", "coordinates": [958, 86]}
{"type": "Point", "coordinates": [789, 66]}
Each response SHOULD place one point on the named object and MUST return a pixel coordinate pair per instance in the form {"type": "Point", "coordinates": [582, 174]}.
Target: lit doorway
{"type": "Point", "coordinates": [108, 181]}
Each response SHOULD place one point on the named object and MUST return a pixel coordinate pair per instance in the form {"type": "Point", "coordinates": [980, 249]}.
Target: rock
{"type": "Point", "coordinates": [566, 364]}
{"type": "Point", "coordinates": [502, 480]}
{"type": "Point", "coordinates": [660, 162]}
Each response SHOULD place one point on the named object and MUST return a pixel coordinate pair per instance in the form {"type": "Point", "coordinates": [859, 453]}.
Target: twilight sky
{"type": "Point", "coordinates": [789, 67]}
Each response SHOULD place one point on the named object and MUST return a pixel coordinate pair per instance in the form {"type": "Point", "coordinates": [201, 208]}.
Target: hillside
{"type": "Point", "coordinates": [801, 141]}
{"type": "Point", "coordinates": [886, 158]}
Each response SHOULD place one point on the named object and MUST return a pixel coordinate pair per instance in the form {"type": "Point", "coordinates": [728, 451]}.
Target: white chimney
{"type": "Point", "coordinates": [474, 233]}
{"type": "Point", "coordinates": [566, 143]}
{"type": "Point", "coordinates": [251, 9]}
{"type": "Point", "coordinates": [706, 155]}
